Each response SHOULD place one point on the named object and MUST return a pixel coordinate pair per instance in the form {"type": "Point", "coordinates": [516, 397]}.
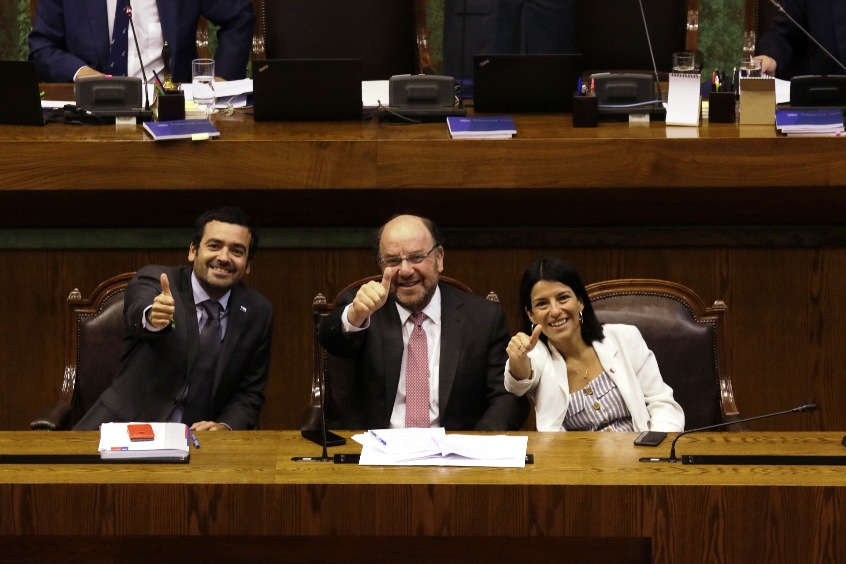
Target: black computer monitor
{"type": "Point", "coordinates": [379, 32]}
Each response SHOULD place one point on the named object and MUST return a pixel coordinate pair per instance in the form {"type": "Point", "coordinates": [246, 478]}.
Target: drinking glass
{"type": "Point", "coordinates": [683, 61]}
{"type": "Point", "coordinates": [202, 81]}
{"type": "Point", "coordinates": [749, 68]}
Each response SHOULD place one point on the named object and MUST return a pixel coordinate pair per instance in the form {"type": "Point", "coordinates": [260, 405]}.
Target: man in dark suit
{"type": "Point", "coordinates": [785, 51]}
{"type": "Point", "coordinates": [166, 372]}
{"type": "Point", "coordinates": [465, 339]}
{"type": "Point", "coordinates": [70, 38]}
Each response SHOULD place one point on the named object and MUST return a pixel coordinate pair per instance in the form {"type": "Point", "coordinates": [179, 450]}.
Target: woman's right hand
{"type": "Point", "coordinates": [520, 365]}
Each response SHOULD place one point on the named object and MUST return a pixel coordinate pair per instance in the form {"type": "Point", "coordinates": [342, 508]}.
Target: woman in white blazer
{"type": "Point", "coordinates": [581, 375]}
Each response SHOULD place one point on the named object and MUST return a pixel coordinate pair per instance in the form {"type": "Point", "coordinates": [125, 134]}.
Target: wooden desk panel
{"type": "Point", "coordinates": [586, 488]}
{"type": "Point", "coordinates": [547, 153]}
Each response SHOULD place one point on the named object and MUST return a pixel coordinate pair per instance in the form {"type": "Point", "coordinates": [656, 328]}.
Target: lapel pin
{"type": "Point", "coordinates": [243, 309]}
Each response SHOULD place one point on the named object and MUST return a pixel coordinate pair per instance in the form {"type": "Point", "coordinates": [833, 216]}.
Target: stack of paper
{"type": "Point", "coordinates": [433, 447]}
{"type": "Point", "coordinates": [811, 122]}
{"type": "Point", "coordinates": [476, 127]}
{"type": "Point", "coordinates": [170, 442]}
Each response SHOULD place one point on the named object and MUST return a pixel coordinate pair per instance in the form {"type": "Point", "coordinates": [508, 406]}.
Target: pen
{"type": "Point", "coordinates": [195, 441]}
{"type": "Point", "coordinates": [378, 438]}
{"type": "Point", "coordinates": [158, 80]}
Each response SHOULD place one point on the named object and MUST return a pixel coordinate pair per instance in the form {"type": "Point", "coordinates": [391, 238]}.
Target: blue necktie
{"type": "Point", "coordinates": [120, 40]}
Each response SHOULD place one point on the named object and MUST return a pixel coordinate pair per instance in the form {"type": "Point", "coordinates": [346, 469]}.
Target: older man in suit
{"type": "Point", "coordinates": [71, 38]}
{"type": "Point", "coordinates": [197, 341]}
{"type": "Point", "coordinates": [426, 353]}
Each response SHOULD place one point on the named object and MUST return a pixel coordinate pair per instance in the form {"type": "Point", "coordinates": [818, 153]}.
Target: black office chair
{"type": "Point", "coordinates": [94, 332]}
{"type": "Point", "coordinates": [382, 33]}
{"type": "Point", "coordinates": [610, 34]}
{"type": "Point", "coordinates": [689, 341]}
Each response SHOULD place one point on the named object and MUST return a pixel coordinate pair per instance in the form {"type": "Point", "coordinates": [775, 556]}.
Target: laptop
{"type": "Point", "coordinates": [307, 89]}
{"type": "Point", "coordinates": [20, 96]}
{"type": "Point", "coordinates": [525, 83]}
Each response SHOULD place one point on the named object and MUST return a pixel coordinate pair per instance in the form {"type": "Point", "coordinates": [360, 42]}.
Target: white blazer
{"type": "Point", "coordinates": [627, 361]}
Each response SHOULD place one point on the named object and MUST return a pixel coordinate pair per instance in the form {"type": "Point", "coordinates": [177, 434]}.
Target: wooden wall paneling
{"type": "Point", "coordinates": [783, 314]}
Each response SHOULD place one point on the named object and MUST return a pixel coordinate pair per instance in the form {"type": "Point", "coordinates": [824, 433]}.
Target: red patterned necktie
{"type": "Point", "coordinates": [417, 376]}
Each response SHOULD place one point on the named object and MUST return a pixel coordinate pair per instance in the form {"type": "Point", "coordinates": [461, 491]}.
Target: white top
{"type": "Point", "coordinates": [628, 361]}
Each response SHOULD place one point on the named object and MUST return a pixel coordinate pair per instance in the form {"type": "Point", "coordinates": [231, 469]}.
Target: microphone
{"type": "Point", "coordinates": [657, 86]}
{"type": "Point", "coordinates": [807, 34]}
{"type": "Point", "coordinates": [140, 60]}
{"type": "Point", "coordinates": [801, 409]}
{"type": "Point", "coordinates": [321, 436]}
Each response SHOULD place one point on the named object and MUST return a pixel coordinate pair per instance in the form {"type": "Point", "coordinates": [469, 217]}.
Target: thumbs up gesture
{"type": "Point", "coordinates": [370, 298]}
{"type": "Point", "coordinates": [161, 313]}
{"type": "Point", "coordinates": [520, 365]}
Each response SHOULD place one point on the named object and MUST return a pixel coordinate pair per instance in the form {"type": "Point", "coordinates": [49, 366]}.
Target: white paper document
{"type": "Point", "coordinates": [170, 442]}
{"type": "Point", "coordinates": [375, 93]}
{"type": "Point", "coordinates": [226, 92]}
{"type": "Point", "coordinates": [433, 447]}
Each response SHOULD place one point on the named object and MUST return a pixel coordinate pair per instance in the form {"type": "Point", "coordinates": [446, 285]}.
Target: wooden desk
{"type": "Point", "coordinates": [242, 492]}
{"type": "Point", "coordinates": [634, 175]}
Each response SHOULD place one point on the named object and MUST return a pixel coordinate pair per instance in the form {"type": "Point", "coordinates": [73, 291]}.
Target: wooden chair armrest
{"type": "Point", "coordinates": [54, 417]}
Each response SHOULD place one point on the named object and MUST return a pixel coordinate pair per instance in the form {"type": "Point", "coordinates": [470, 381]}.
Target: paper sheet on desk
{"type": "Point", "coordinates": [226, 92]}
{"type": "Point", "coordinates": [55, 104]}
{"type": "Point", "coordinates": [782, 91]}
{"type": "Point", "coordinates": [433, 447]}
{"type": "Point", "coordinates": [374, 93]}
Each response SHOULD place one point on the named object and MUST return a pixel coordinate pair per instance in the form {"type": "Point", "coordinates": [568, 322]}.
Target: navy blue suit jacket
{"type": "Point", "coordinates": [825, 20]}
{"type": "Point", "coordinates": [70, 34]}
{"type": "Point", "coordinates": [474, 335]}
{"type": "Point", "coordinates": [155, 366]}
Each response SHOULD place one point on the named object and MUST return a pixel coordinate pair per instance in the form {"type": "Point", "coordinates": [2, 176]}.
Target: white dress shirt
{"type": "Point", "coordinates": [145, 18]}
{"type": "Point", "coordinates": [432, 327]}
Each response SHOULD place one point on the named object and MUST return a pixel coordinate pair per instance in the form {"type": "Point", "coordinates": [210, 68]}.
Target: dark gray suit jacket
{"type": "Point", "coordinates": [473, 340]}
{"type": "Point", "coordinates": [825, 20]}
{"type": "Point", "coordinates": [155, 366]}
{"type": "Point", "coordinates": [69, 34]}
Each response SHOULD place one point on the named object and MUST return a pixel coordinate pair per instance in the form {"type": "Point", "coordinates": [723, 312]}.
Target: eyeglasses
{"type": "Point", "coordinates": [415, 258]}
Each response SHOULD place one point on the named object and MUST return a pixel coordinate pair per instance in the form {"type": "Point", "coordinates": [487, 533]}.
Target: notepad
{"type": "Point", "coordinates": [683, 99]}
{"type": "Point", "coordinates": [797, 121]}
{"type": "Point", "coordinates": [757, 100]}
{"type": "Point", "coordinates": [481, 127]}
{"type": "Point", "coordinates": [196, 129]}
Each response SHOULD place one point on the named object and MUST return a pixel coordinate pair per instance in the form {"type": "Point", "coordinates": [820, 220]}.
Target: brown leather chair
{"type": "Point", "coordinates": [689, 341]}
{"type": "Point", "coordinates": [335, 375]}
{"type": "Point", "coordinates": [94, 330]}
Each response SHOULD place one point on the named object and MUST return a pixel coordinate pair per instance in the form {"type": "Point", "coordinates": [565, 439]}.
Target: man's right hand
{"type": "Point", "coordinates": [161, 313]}
{"type": "Point", "coordinates": [86, 72]}
{"type": "Point", "coordinates": [370, 298]}
{"type": "Point", "coordinates": [768, 65]}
